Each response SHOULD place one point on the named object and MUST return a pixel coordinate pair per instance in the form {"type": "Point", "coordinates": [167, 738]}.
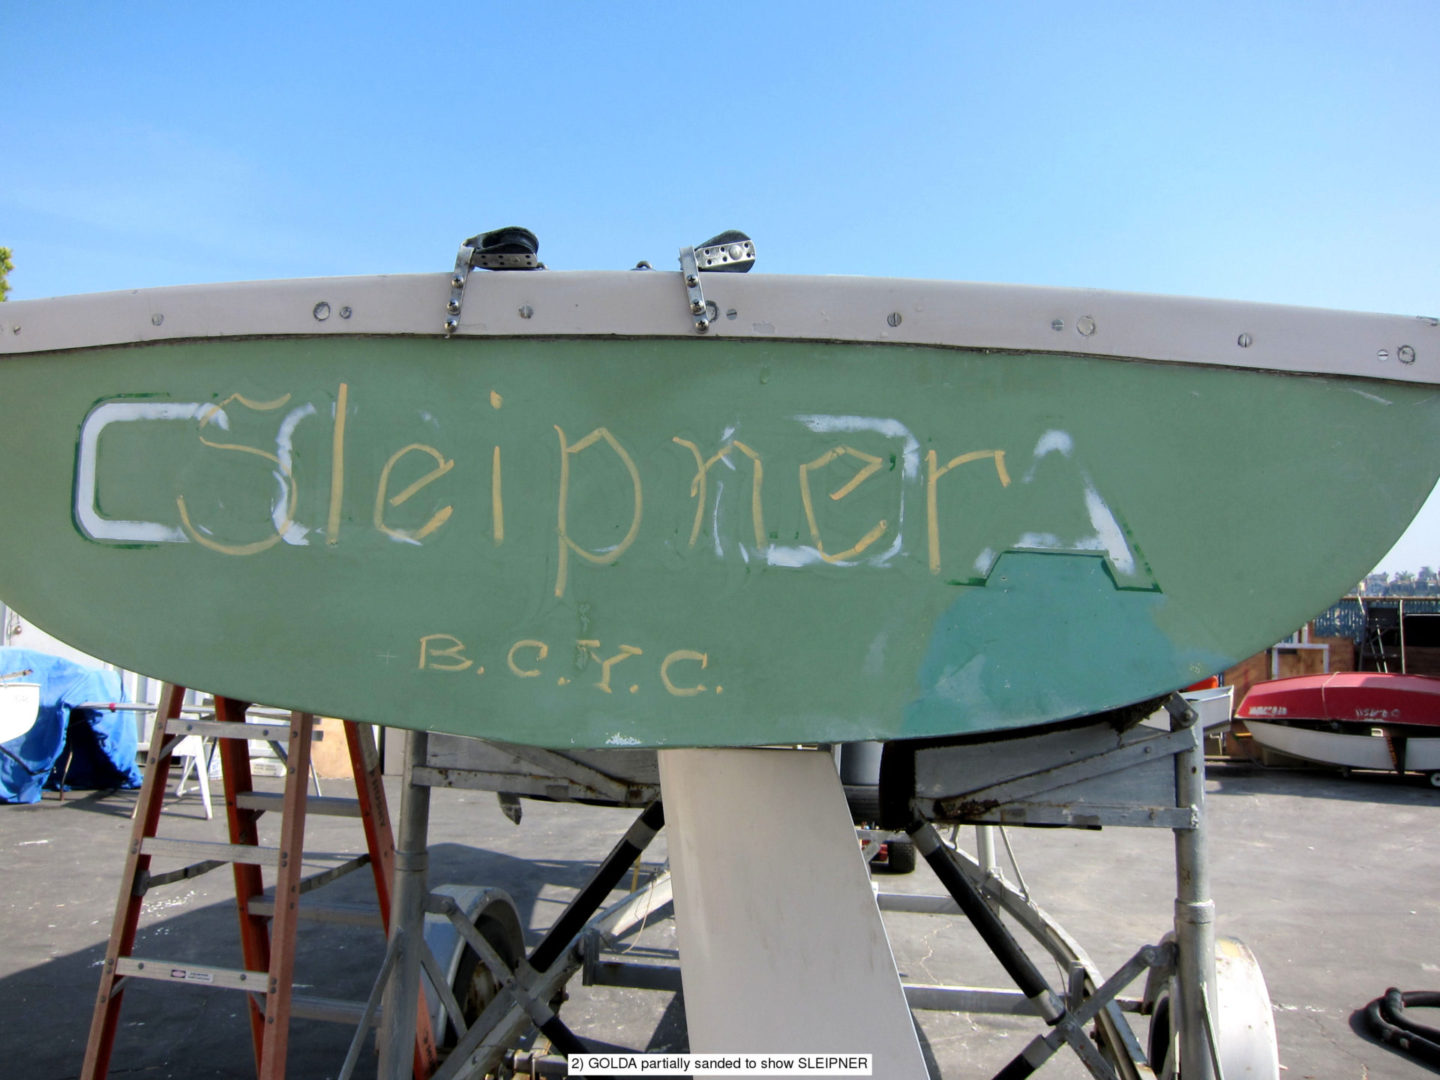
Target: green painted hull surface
{"type": "Point", "coordinates": [585, 543]}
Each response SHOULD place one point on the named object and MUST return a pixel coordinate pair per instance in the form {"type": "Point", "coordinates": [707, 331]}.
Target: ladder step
{"type": "Point", "coordinates": [140, 967]}
{"type": "Point", "coordinates": [224, 729]}
{"type": "Point", "coordinates": [210, 851]}
{"type": "Point", "coordinates": [214, 851]}
{"type": "Point", "coordinates": [275, 802]}
{"type": "Point", "coordinates": [311, 1007]}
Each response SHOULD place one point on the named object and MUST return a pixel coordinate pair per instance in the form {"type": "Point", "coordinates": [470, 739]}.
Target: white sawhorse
{"type": "Point", "coordinates": [196, 753]}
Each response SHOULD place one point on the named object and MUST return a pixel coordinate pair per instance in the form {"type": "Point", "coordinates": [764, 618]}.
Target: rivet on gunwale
{"type": "Point", "coordinates": [1085, 326]}
{"type": "Point", "coordinates": [1245, 341]}
{"type": "Point", "coordinates": [156, 319]}
{"type": "Point", "coordinates": [321, 311]}
{"type": "Point", "coordinates": [1406, 354]}
{"type": "Point", "coordinates": [894, 318]}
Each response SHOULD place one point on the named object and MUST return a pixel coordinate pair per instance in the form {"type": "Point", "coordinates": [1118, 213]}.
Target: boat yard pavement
{"type": "Point", "coordinates": [1331, 881]}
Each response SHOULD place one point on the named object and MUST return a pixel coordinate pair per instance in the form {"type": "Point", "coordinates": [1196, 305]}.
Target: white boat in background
{"type": "Point", "coordinates": [19, 706]}
{"type": "Point", "coordinates": [1353, 719]}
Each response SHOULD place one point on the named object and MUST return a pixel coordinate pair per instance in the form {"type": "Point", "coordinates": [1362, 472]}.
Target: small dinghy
{"type": "Point", "coordinates": [19, 705]}
{"type": "Point", "coordinates": [1354, 719]}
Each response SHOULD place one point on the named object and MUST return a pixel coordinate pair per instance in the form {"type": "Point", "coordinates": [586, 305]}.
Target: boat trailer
{"type": "Point", "coordinates": [1206, 1001]}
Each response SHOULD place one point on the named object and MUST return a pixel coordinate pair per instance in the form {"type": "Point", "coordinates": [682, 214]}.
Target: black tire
{"type": "Point", "coordinates": [1162, 1045]}
{"type": "Point", "coordinates": [901, 856]}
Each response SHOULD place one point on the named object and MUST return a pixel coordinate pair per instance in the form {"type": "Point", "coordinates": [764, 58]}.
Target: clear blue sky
{"type": "Point", "coordinates": [1282, 152]}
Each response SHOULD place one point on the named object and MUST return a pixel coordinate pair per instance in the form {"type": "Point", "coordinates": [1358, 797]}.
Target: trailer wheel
{"type": "Point", "coordinates": [475, 985]}
{"type": "Point", "coordinates": [494, 916]}
{"type": "Point", "coordinates": [1435, 778]}
{"type": "Point", "coordinates": [1246, 1021]}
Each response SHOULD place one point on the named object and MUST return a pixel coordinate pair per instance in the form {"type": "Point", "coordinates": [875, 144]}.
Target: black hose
{"type": "Point", "coordinates": [1386, 1019]}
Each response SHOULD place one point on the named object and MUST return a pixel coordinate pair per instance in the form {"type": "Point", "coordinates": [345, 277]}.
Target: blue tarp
{"type": "Point", "coordinates": [102, 742]}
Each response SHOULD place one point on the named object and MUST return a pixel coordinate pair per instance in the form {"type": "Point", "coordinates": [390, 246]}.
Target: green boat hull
{"type": "Point", "coordinates": [595, 542]}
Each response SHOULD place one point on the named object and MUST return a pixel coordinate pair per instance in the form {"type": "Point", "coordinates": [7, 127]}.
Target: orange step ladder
{"type": "Point", "coordinates": [267, 930]}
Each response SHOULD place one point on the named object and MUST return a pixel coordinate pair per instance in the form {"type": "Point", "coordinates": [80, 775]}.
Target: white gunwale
{"type": "Point", "coordinates": [639, 304]}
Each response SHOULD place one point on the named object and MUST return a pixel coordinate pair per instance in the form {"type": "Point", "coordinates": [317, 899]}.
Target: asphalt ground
{"type": "Point", "coordinates": [1333, 882]}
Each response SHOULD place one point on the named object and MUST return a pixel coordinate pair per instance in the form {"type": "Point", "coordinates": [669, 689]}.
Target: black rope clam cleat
{"type": "Point", "coordinates": [510, 248]}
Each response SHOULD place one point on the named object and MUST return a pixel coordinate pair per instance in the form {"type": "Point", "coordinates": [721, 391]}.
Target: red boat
{"type": "Point", "coordinates": [1354, 719]}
